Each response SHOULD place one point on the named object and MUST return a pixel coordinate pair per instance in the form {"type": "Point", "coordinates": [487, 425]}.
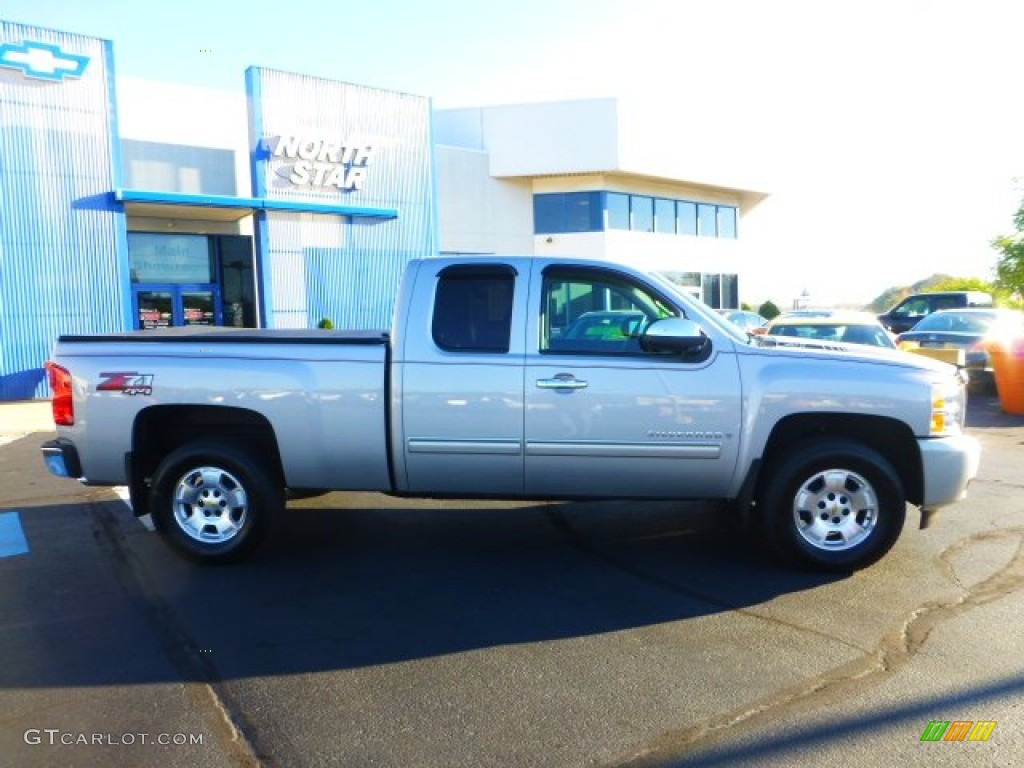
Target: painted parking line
{"type": "Point", "coordinates": [12, 536]}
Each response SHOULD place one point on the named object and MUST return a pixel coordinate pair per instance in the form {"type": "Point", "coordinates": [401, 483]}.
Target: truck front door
{"type": "Point", "coordinates": [605, 418]}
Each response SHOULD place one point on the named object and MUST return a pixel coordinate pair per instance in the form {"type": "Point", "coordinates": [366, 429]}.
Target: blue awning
{"type": "Point", "coordinates": [249, 203]}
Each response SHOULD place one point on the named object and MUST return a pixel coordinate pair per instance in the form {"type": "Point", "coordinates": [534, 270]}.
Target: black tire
{"type": "Point", "coordinates": [833, 505]}
{"type": "Point", "coordinates": [214, 502]}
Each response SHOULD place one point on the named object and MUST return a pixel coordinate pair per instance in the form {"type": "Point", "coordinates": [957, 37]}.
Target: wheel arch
{"type": "Point", "coordinates": [891, 438]}
{"type": "Point", "coordinates": [161, 429]}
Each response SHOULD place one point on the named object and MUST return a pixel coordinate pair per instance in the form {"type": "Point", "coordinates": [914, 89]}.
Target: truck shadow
{"type": "Point", "coordinates": [379, 583]}
{"type": "Point", "coordinates": [362, 587]}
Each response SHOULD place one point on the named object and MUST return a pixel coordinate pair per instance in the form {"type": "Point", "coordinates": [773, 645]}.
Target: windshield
{"type": "Point", "coordinates": [957, 322]}
{"type": "Point", "coordinates": [843, 333]}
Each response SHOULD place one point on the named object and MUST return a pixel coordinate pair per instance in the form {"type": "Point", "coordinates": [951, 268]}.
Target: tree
{"type": "Point", "coordinates": [963, 284]}
{"type": "Point", "coordinates": [768, 310]}
{"type": "Point", "coordinates": [1010, 267]}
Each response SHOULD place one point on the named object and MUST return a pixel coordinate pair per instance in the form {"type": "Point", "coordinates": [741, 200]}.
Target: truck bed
{"type": "Point", "coordinates": [204, 334]}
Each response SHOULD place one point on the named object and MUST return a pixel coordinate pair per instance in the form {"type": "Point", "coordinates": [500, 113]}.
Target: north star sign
{"type": "Point", "coordinates": [319, 162]}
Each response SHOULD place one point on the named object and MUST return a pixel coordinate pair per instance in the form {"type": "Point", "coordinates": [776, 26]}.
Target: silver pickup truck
{"type": "Point", "coordinates": [515, 378]}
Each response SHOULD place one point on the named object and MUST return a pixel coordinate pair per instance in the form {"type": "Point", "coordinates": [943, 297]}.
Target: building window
{"type": "Point", "coordinates": [727, 222]}
{"type": "Point", "coordinates": [689, 282]}
{"type": "Point", "coordinates": [707, 220]}
{"type": "Point", "coordinates": [617, 207]}
{"type": "Point", "coordinates": [643, 213]}
{"type": "Point", "coordinates": [583, 212]}
{"type": "Point", "coordinates": [547, 214]}
{"type": "Point", "coordinates": [567, 212]}
{"type": "Point", "coordinates": [563, 212]}
{"type": "Point", "coordinates": [711, 290]}
{"type": "Point", "coordinates": [163, 258]}
{"type": "Point", "coordinates": [686, 218]}
{"type": "Point", "coordinates": [665, 216]}
{"type": "Point", "coordinates": [730, 291]}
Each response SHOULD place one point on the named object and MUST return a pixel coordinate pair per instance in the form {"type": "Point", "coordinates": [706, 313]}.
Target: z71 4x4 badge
{"type": "Point", "coordinates": [130, 383]}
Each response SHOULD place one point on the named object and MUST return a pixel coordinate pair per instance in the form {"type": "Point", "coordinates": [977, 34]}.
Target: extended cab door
{"type": "Point", "coordinates": [458, 382]}
{"type": "Point", "coordinates": [605, 418]}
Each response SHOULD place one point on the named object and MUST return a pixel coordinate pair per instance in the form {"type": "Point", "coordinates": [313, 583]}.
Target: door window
{"type": "Point", "coordinates": [917, 307]}
{"type": "Point", "coordinates": [156, 309]}
{"type": "Point", "coordinates": [167, 306]}
{"type": "Point", "coordinates": [473, 309]}
{"type": "Point", "coordinates": [585, 313]}
{"type": "Point", "coordinates": [198, 308]}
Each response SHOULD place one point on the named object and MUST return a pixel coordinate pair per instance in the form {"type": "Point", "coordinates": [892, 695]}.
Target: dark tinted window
{"type": "Point", "coordinates": [473, 309]}
{"type": "Point", "coordinates": [583, 212]}
{"type": "Point", "coordinates": [918, 306]}
{"type": "Point", "coordinates": [548, 213]}
{"type": "Point", "coordinates": [558, 212]}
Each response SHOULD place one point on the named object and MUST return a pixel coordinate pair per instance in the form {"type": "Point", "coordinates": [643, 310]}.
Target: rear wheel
{"type": "Point", "coordinates": [213, 501]}
{"type": "Point", "coordinates": [834, 505]}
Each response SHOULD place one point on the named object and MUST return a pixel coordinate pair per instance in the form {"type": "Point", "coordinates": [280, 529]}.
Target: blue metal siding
{"type": "Point", "coordinates": [344, 268]}
{"type": "Point", "coordinates": [62, 264]}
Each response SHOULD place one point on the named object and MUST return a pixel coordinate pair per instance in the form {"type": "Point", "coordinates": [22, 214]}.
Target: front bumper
{"type": "Point", "coordinates": [61, 458]}
{"type": "Point", "coordinates": [948, 465]}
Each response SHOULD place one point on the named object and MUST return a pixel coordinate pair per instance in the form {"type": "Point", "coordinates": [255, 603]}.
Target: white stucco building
{"type": "Point", "coordinates": [591, 178]}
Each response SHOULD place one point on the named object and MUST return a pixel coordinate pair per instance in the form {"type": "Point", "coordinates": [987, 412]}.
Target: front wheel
{"type": "Point", "coordinates": [834, 505]}
{"type": "Point", "coordinates": [213, 502]}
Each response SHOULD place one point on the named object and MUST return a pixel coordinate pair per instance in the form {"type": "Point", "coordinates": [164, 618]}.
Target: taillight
{"type": "Point", "coordinates": [62, 403]}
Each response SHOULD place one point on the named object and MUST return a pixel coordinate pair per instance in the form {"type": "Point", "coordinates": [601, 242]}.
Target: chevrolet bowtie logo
{"type": "Point", "coordinates": [42, 61]}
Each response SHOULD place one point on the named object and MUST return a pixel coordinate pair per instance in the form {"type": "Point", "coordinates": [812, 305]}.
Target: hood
{"type": "Point", "coordinates": [824, 350]}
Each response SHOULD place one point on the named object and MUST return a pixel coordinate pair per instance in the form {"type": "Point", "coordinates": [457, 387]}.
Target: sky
{"type": "Point", "coordinates": [889, 134]}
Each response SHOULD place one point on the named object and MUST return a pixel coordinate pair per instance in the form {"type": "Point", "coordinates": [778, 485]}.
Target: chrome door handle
{"type": "Point", "coordinates": [562, 381]}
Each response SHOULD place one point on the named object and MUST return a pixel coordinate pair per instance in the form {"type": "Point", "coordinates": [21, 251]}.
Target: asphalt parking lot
{"type": "Point", "coordinates": [384, 632]}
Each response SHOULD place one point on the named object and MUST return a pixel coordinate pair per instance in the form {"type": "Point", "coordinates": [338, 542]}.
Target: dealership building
{"type": "Point", "coordinates": [128, 204]}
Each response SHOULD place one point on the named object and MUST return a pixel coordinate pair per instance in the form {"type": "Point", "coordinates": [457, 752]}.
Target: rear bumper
{"type": "Point", "coordinates": [949, 464]}
{"type": "Point", "coordinates": [61, 458]}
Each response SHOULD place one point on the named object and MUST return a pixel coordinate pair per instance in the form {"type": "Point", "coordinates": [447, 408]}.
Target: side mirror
{"type": "Point", "coordinates": [673, 334]}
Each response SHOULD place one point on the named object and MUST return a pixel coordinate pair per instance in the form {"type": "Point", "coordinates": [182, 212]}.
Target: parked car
{"type": "Point", "coordinates": [745, 319]}
{"type": "Point", "coordinates": [605, 324]}
{"type": "Point", "coordinates": [831, 327]}
{"type": "Point", "coordinates": [967, 329]}
{"type": "Point", "coordinates": [917, 306]}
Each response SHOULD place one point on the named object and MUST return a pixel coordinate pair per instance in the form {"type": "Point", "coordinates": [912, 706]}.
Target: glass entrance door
{"type": "Point", "coordinates": [168, 306]}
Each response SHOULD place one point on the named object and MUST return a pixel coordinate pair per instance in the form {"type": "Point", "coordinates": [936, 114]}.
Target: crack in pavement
{"type": "Point", "coordinates": [895, 650]}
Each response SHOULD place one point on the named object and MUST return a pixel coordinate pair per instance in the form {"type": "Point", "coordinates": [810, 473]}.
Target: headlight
{"type": "Point", "coordinates": [948, 412]}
